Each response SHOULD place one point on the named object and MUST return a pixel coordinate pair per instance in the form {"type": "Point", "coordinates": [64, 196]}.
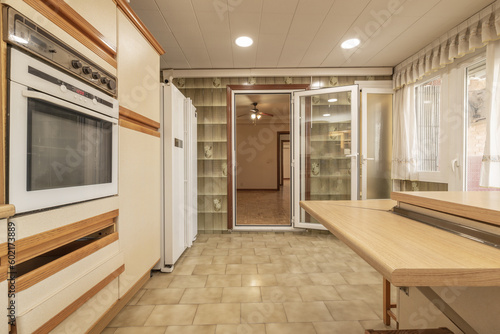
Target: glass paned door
{"type": "Point", "coordinates": [326, 165]}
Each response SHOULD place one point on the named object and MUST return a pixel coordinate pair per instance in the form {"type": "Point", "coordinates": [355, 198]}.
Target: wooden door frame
{"type": "Point", "coordinates": [229, 112]}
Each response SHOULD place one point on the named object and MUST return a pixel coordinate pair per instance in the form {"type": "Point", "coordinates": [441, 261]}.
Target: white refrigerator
{"type": "Point", "coordinates": [179, 193]}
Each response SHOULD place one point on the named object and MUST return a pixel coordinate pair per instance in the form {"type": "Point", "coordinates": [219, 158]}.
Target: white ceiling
{"type": "Point", "coordinates": [200, 34]}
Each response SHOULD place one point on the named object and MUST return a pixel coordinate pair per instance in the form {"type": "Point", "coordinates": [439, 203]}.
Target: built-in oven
{"type": "Point", "coordinates": [62, 127]}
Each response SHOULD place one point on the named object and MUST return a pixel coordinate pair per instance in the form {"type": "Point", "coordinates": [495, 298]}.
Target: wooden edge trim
{"type": "Point", "coordinates": [3, 251]}
{"type": "Point", "coordinates": [7, 210]}
{"type": "Point", "coordinates": [3, 273]}
{"type": "Point", "coordinates": [127, 10]}
{"type": "Point", "coordinates": [35, 276]}
{"type": "Point", "coordinates": [61, 14]}
{"type": "Point", "coordinates": [106, 318]}
{"type": "Point", "coordinates": [133, 116]}
{"type": "Point", "coordinates": [38, 244]}
{"type": "Point", "coordinates": [137, 127]}
{"type": "Point", "coordinates": [58, 318]}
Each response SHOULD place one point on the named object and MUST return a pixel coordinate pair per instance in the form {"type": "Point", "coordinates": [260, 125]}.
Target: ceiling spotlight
{"type": "Point", "coordinates": [332, 100]}
{"type": "Point", "coordinates": [326, 115]}
{"type": "Point", "coordinates": [252, 116]}
{"type": "Point", "coordinates": [259, 116]}
{"type": "Point", "coordinates": [350, 43]}
{"type": "Point", "coordinates": [244, 41]}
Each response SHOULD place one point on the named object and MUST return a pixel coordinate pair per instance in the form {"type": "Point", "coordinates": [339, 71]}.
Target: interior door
{"type": "Point", "coordinates": [326, 149]}
{"type": "Point", "coordinates": [376, 143]}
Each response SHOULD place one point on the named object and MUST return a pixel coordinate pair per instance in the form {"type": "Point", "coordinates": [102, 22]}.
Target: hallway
{"type": "Point", "coordinates": [265, 282]}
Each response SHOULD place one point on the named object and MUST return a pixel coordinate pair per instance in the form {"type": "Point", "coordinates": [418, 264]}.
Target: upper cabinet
{"type": "Point", "coordinates": [138, 71]}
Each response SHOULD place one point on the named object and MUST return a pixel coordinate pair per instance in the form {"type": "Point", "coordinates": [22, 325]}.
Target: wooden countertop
{"type": "Point", "coordinates": [479, 205]}
{"type": "Point", "coordinates": [7, 210]}
{"type": "Point", "coordinates": [406, 252]}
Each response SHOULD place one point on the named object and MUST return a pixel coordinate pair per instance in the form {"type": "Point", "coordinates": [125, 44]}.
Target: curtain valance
{"type": "Point", "coordinates": [472, 34]}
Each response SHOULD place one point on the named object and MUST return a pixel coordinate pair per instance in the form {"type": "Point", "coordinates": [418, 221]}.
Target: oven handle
{"type": "Point", "coordinates": [68, 105]}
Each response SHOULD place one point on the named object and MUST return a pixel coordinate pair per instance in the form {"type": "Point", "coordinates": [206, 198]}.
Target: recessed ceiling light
{"type": "Point", "coordinates": [326, 115]}
{"type": "Point", "coordinates": [244, 41]}
{"type": "Point", "coordinates": [332, 100]}
{"type": "Point", "coordinates": [350, 43]}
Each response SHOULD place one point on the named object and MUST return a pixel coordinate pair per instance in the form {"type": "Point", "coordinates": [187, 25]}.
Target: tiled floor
{"type": "Point", "coordinates": [266, 207]}
{"type": "Point", "coordinates": [259, 283]}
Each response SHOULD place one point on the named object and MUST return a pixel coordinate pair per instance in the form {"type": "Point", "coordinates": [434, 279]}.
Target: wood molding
{"type": "Point", "coordinates": [3, 273]}
{"type": "Point", "coordinates": [138, 127]}
{"type": "Point", "coordinates": [106, 318]}
{"type": "Point", "coordinates": [65, 17]}
{"type": "Point", "coordinates": [132, 16]}
{"type": "Point", "coordinates": [58, 318]}
{"type": "Point", "coordinates": [35, 276]}
{"type": "Point", "coordinates": [30, 247]}
{"type": "Point", "coordinates": [132, 116]}
{"type": "Point", "coordinates": [7, 210]}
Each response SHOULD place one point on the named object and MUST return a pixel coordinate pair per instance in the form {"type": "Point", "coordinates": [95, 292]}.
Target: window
{"type": "Point", "coordinates": [427, 106]}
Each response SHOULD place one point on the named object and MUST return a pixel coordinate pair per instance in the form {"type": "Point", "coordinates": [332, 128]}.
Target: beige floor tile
{"type": "Point", "coordinates": [291, 328]}
{"type": "Point", "coordinates": [161, 296]}
{"type": "Point", "coordinates": [140, 330]}
{"type": "Point", "coordinates": [350, 310]}
{"type": "Point", "coordinates": [280, 294]}
{"type": "Point", "coordinates": [133, 315]}
{"type": "Point", "coordinates": [222, 281]}
{"type": "Point", "coordinates": [183, 269]}
{"type": "Point", "coordinates": [335, 267]}
{"type": "Point", "coordinates": [159, 281]}
{"type": "Point", "coordinates": [198, 260]}
{"type": "Point", "coordinates": [210, 329]}
{"type": "Point", "coordinates": [318, 293]}
{"type": "Point", "coordinates": [215, 251]}
{"type": "Point", "coordinates": [293, 251]}
{"type": "Point", "coordinates": [136, 297]}
{"type": "Point", "coordinates": [344, 327]}
{"type": "Point", "coordinates": [293, 279]}
{"type": "Point", "coordinates": [272, 268]}
{"type": "Point", "coordinates": [277, 244]}
{"type": "Point", "coordinates": [376, 324]}
{"type": "Point", "coordinates": [254, 244]}
{"type": "Point", "coordinates": [259, 280]}
{"type": "Point", "coordinates": [213, 314]}
{"type": "Point", "coordinates": [284, 259]}
{"type": "Point", "coordinates": [231, 259]}
{"type": "Point", "coordinates": [327, 278]}
{"type": "Point", "coordinates": [262, 313]}
{"type": "Point", "coordinates": [201, 296]}
{"type": "Point", "coordinates": [197, 281]}
{"type": "Point", "coordinates": [310, 267]}
{"type": "Point", "coordinates": [318, 258]}
{"type": "Point", "coordinates": [267, 251]}
{"type": "Point", "coordinates": [241, 251]}
{"type": "Point", "coordinates": [209, 269]}
{"type": "Point", "coordinates": [168, 315]}
{"type": "Point", "coordinates": [110, 330]}
{"type": "Point", "coordinates": [363, 278]}
{"type": "Point", "coordinates": [243, 269]}
{"type": "Point", "coordinates": [227, 245]}
{"type": "Point", "coordinates": [241, 329]}
{"type": "Point", "coordinates": [359, 292]}
{"type": "Point", "coordinates": [241, 295]}
{"type": "Point", "coordinates": [295, 268]}
{"type": "Point", "coordinates": [307, 311]}
{"type": "Point", "coordinates": [255, 259]}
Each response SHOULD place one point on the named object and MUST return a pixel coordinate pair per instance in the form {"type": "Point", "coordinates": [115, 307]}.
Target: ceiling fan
{"type": "Point", "coordinates": [255, 113]}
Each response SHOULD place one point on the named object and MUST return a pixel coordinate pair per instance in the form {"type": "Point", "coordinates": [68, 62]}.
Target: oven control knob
{"type": "Point", "coordinates": [76, 64]}
{"type": "Point", "coordinates": [104, 80]}
{"type": "Point", "coordinates": [112, 84]}
{"type": "Point", "coordinates": [64, 89]}
{"type": "Point", "coordinates": [86, 69]}
{"type": "Point", "coordinates": [95, 75]}
{"type": "Point", "coordinates": [94, 101]}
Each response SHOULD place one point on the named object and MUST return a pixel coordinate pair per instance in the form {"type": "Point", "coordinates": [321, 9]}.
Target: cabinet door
{"type": "Point", "coordinates": [326, 149]}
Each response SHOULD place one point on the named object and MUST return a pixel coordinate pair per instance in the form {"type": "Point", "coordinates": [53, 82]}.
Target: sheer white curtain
{"type": "Point", "coordinates": [404, 163]}
{"type": "Point", "coordinates": [490, 167]}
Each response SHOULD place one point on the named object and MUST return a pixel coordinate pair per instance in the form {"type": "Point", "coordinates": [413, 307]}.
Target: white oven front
{"type": "Point", "coordinates": [63, 137]}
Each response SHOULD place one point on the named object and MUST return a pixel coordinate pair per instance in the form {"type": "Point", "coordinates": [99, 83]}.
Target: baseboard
{"type": "Point", "coordinates": [106, 318]}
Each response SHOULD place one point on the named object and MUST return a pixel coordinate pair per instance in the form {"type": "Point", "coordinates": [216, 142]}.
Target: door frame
{"type": "Point", "coordinates": [280, 154]}
{"type": "Point", "coordinates": [244, 89]}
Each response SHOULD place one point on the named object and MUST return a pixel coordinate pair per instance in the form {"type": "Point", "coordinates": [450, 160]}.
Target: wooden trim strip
{"type": "Point", "coordinates": [30, 247]}
{"type": "Point", "coordinates": [137, 127]}
{"type": "Point", "coordinates": [127, 10]}
{"type": "Point", "coordinates": [7, 210]}
{"type": "Point", "coordinates": [3, 273]}
{"type": "Point", "coordinates": [106, 318]}
{"type": "Point", "coordinates": [58, 318]}
{"type": "Point", "coordinates": [61, 14]}
{"type": "Point", "coordinates": [130, 115]}
{"type": "Point", "coordinates": [35, 276]}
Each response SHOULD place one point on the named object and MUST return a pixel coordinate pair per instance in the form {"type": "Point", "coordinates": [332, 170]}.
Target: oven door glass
{"type": "Point", "coordinates": [66, 148]}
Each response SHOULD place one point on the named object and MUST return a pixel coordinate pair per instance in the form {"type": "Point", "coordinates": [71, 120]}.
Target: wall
{"type": "Point", "coordinates": [256, 155]}
{"type": "Point", "coordinates": [209, 98]}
